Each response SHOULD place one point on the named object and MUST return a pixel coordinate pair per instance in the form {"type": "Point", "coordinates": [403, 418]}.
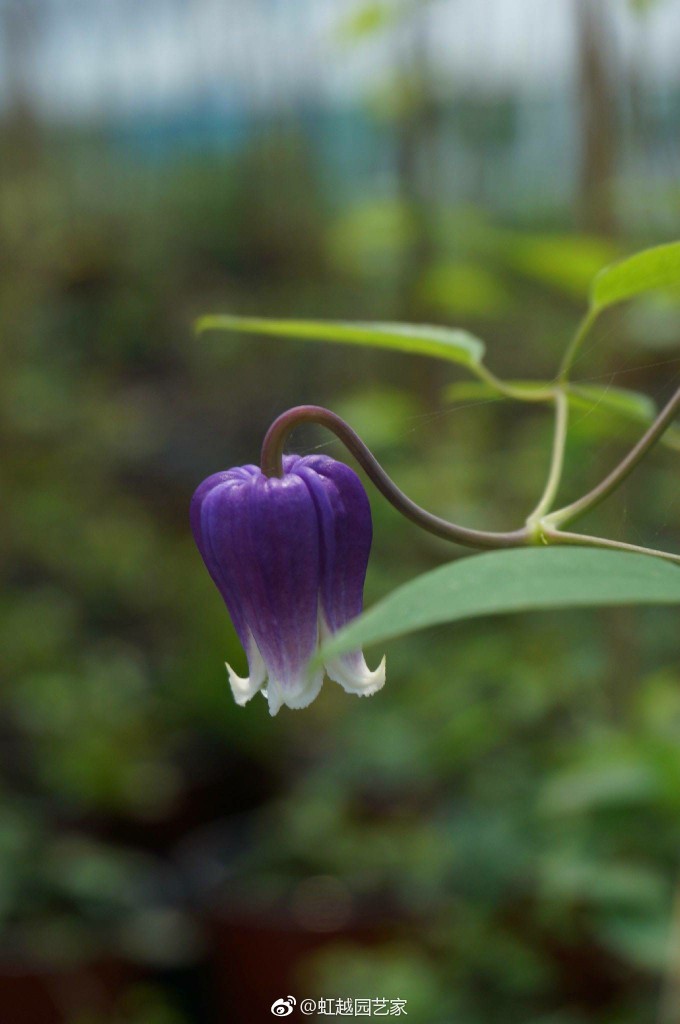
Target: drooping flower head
{"type": "Point", "coordinates": [288, 555]}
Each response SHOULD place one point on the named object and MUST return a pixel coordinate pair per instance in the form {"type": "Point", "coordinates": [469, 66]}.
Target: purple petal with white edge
{"type": "Point", "coordinates": [245, 688]}
{"type": "Point", "coordinates": [263, 535]}
{"type": "Point", "coordinates": [351, 671]}
{"type": "Point", "coordinates": [346, 532]}
{"type": "Point", "coordinates": [220, 571]}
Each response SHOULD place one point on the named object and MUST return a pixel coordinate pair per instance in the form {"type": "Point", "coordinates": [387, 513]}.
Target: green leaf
{"type": "Point", "coordinates": [631, 405]}
{"type": "Point", "coordinates": [591, 399]}
{"type": "Point", "coordinates": [521, 579]}
{"type": "Point", "coordinates": [649, 270]}
{"type": "Point", "coordinates": [456, 346]}
{"type": "Point", "coordinates": [479, 390]}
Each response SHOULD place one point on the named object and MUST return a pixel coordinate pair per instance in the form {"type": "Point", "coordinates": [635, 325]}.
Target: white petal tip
{"type": "Point", "coordinates": [273, 698]}
{"type": "Point", "coordinates": [354, 675]}
{"type": "Point", "coordinates": [374, 681]}
{"type": "Point", "coordinates": [242, 689]}
{"type": "Point", "coordinates": [299, 695]}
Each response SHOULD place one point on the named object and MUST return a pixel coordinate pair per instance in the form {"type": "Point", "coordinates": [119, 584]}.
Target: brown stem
{"type": "Point", "coordinates": [272, 465]}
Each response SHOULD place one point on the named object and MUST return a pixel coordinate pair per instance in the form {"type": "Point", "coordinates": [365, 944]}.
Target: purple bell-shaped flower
{"type": "Point", "coordinates": [289, 556]}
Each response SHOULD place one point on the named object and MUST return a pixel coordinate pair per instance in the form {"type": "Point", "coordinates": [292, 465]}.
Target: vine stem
{"type": "Point", "coordinates": [272, 465]}
{"type": "Point", "coordinates": [620, 472]}
{"type": "Point", "coordinates": [541, 530]}
{"type": "Point", "coordinates": [521, 394]}
{"type": "Point", "coordinates": [557, 459]}
{"type": "Point", "coordinates": [551, 536]}
{"type": "Point", "coordinates": [575, 344]}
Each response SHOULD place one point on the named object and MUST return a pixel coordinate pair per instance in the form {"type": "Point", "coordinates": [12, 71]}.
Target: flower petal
{"type": "Point", "coordinates": [245, 688]}
{"type": "Point", "coordinates": [346, 533]}
{"type": "Point", "coordinates": [354, 675]}
{"type": "Point", "coordinates": [219, 571]}
{"type": "Point", "coordinates": [262, 534]}
{"type": "Point", "coordinates": [289, 557]}
{"type": "Point", "coordinates": [351, 671]}
{"type": "Point", "coordinates": [298, 696]}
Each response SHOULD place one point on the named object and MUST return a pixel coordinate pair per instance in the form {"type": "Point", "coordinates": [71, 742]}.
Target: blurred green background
{"type": "Point", "coordinates": [496, 836]}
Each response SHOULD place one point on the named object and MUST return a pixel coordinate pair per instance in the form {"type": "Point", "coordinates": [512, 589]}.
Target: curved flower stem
{"type": "Point", "coordinates": [550, 536]}
{"type": "Point", "coordinates": [624, 468]}
{"type": "Point", "coordinates": [271, 462]}
{"type": "Point", "coordinates": [557, 459]}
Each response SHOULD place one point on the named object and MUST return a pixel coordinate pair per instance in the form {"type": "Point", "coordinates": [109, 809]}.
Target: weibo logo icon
{"type": "Point", "coordinates": [283, 1007]}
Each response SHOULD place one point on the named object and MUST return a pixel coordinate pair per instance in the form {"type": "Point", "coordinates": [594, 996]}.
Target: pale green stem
{"type": "Point", "coordinates": [624, 468]}
{"type": "Point", "coordinates": [557, 459]}
{"type": "Point", "coordinates": [536, 394]}
{"type": "Point", "coordinates": [551, 536]}
{"type": "Point", "coordinates": [575, 344]}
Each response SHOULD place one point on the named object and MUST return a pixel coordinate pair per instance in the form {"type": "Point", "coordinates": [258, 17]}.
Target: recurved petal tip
{"type": "Point", "coordinates": [242, 688]}
{"type": "Point", "coordinates": [245, 688]}
{"type": "Point", "coordinates": [354, 675]}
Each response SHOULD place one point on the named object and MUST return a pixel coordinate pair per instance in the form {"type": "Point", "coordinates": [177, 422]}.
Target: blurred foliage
{"type": "Point", "coordinates": [394, 972]}
{"type": "Point", "coordinates": [67, 898]}
{"type": "Point", "coordinates": [507, 809]}
{"type": "Point", "coordinates": [138, 1005]}
{"type": "Point", "coordinates": [371, 17]}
